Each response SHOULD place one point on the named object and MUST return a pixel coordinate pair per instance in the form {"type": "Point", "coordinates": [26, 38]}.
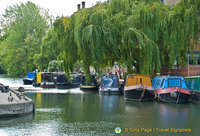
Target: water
{"type": "Point", "coordinates": [73, 112]}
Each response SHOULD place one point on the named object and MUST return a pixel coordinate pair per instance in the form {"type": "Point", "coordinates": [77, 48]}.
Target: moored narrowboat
{"type": "Point", "coordinates": [171, 89]}
{"type": "Point", "coordinates": [37, 80]}
{"type": "Point", "coordinates": [29, 79]}
{"type": "Point", "coordinates": [63, 83]}
{"type": "Point", "coordinates": [109, 84]}
{"type": "Point", "coordinates": [93, 86]}
{"type": "Point", "coordinates": [193, 84]}
{"type": "Point", "coordinates": [47, 80]}
{"type": "Point", "coordinates": [138, 87]}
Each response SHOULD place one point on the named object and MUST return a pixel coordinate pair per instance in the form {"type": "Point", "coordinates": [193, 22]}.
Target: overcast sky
{"type": "Point", "coordinates": [56, 7]}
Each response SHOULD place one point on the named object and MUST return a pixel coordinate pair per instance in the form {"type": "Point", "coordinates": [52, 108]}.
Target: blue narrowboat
{"type": "Point", "coordinates": [193, 84]}
{"type": "Point", "coordinates": [109, 84]}
{"type": "Point", "coordinates": [29, 79]}
{"type": "Point", "coordinates": [171, 89]}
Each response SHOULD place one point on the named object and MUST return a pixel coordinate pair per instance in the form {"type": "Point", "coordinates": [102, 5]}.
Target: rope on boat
{"type": "Point", "coordinates": [178, 97]}
{"type": "Point", "coordinates": [142, 95]}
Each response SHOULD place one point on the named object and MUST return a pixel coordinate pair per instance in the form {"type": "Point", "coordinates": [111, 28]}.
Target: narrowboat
{"type": "Point", "coordinates": [138, 87]}
{"type": "Point", "coordinates": [47, 80]}
{"type": "Point", "coordinates": [37, 80]}
{"type": "Point", "coordinates": [171, 89]}
{"type": "Point", "coordinates": [93, 86]}
{"type": "Point", "coordinates": [29, 79]}
{"type": "Point", "coordinates": [193, 84]}
{"type": "Point", "coordinates": [109, 84]}
{"type": "Point", "coordinates": [63, 83]}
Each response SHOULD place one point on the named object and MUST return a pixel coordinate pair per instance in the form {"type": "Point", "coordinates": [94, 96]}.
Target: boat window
{"type": "Point", "coordinates": [158, 82]}
{"type": "Point", "coordinates": [140, 80]}
{"type": "Point", "coordinates": [136, 80]}
{"type": "Point", "coordinates": [174, 82]}
{"type": "Point", "coordinates": [109, 81]}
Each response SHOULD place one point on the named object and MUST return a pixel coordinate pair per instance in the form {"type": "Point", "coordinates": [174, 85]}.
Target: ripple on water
{"type": "Point", "coordinates": [51, 110]}
{"type": "Point", "coordinates": [56, 128]}
{"type": "Point", "coordinates": [57, 91]}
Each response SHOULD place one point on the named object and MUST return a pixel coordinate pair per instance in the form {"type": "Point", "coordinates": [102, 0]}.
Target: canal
{"type": "Point", "coordinates": [73, 112]}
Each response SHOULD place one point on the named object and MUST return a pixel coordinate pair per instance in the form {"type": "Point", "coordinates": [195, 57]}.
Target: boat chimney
{"type": "Point", "coordinates": [78, 7]}
{"type": "Point", "coordinates": [83, 4]}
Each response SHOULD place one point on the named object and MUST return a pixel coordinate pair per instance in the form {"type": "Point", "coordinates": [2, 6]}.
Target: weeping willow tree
{"type": "Point", "coordinates": [144, 34]}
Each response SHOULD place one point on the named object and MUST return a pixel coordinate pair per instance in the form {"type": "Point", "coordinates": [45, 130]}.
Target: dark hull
{"type": "Point", "coordinates": [27, 82]}
{"type": "Point", "coordinates": [139, 95]}
{"type": "Point", "coordinates": [195, 96]}
{"type": "Point", "coordinates": [66, 86]}
{"type": "Point", "coordinates": [167, 97]}
{"type": "Point", "coordinates": [36, 84]}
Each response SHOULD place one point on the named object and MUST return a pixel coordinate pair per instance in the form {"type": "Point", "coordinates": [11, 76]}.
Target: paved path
{"type": "Point", "coordinates": [16, 99]}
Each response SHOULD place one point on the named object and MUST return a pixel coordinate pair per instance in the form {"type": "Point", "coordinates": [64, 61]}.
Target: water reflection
{"type": "Point", "coordinates": [173, 112]}
{"type": "Point", "coordinates": [17, 120]}
{"type": "Point", "coordinates": [109, 103]}
{"type": "Point", "coordinates": [69, 112]}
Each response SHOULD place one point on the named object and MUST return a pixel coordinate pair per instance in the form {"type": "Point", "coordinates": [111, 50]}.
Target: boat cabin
{"type": "Point", "coordinates": [169, 82]}
{"type": "Point", "coordinates": [93, 80]}
{"type": "Point", "coordinates": [29, 79]}
{"type": "Point", "coordinates": [109, 81]}
{"type": "Point", "coordinates": [61, 78]}
{"type": "Point", "coordinates": [133, 80]}
{"type": "Point", "coordinates": [193, 82]}
{"type": "Point", "coordinates": [31, 75]}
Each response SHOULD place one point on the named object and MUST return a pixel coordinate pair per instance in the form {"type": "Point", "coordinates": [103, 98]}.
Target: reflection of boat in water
{"type": "Point", "coordinates": [16, 120]}
{"type": "Point", "coordinates": [138, 87]}
{"type": "Point", "coordinates": [193, 84]}
{"type": "Point", "coordinates": [29, 79]}
{"type": "Point", "coordinates": [171, 89]}
{"type": "Point", "coordinates": [109, 85]}
{"type": "Point", "coordinates": [173, 113]}
{"type": "Point", "coordinates": [91, 86]}
{"type": "Point", "coordinates": [109, 103]}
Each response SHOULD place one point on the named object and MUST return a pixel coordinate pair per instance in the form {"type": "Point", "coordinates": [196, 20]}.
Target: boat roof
{"type": "Point", "coordinates": [192, 77]}
{"type": "Point", "coordinates": [139, 75]}
{"type": "Point", "coordinates": [166, 77]}
{"type": "Point", "coordinates": [168, 82]}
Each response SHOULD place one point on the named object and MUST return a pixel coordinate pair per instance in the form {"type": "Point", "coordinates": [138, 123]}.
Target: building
{"type": "Point", "coordinates": [193, 67]}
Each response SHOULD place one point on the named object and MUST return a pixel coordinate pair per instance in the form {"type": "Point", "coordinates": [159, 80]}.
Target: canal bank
{"type": "Point", "coordinates": [14, 103]}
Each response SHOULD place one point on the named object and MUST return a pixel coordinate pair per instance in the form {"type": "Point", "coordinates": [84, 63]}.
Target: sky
{"type": "Point", "coordinates": [56, 7]}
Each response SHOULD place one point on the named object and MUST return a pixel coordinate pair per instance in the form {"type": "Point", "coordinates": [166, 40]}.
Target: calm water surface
{"type": "Point", "coordinates": [73, 112]}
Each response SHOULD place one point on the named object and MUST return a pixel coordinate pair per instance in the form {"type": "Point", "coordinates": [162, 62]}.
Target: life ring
{"type": "Point", "coordinates": [173, 94]}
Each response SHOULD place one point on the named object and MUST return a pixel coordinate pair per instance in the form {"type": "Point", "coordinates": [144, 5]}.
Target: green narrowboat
{"type": "Point", "coordinates": [193, 84]}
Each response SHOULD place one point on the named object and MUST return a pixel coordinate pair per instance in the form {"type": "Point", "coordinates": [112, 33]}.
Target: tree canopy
{"type": "Point", "coordinates": [144, 34]}
{"type": "Point", "coordinates": [23, 26]}
{"type": "Point", "coordinates": [49, 50]}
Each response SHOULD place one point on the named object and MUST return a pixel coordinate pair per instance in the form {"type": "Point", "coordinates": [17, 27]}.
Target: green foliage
{"type": "Point", "coordinates": [144, 34]}
{"type": "Point", "coordinates": [23, 25]}
{"type": "Point", "coordinates": [49, 50]}
{"type": "Point", "coordinates": [55, 66]}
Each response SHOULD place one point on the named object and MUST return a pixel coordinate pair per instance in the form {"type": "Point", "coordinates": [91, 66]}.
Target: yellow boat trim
{"type": "Point", "coordinates": [85, 86]}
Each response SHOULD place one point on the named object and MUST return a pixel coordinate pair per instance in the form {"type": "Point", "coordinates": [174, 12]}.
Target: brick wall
{"type": "Point", "coordinates": [191, 70]}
